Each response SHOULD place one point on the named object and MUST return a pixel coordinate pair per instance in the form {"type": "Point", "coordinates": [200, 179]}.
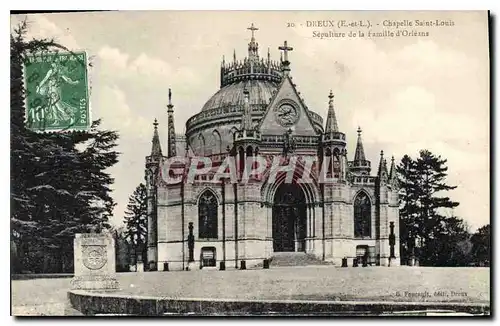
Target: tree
{"type": "Point", "coordinates": [481, 246]}
{"type": "Point", "coordinates": [136, 221]}
{"type": "Point", "coordinates": [122, 255]}
{"type": "Point", "coordinates": [59, 183]}
{"type": "Point", "coordinates": [450, 245]}
{"type": "Point", "coordinates": [424, 228]}
{"type": "Point", "coordinates": [409, 226]}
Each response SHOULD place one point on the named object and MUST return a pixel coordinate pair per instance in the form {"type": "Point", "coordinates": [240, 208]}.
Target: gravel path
{"type": "Point", "coordinates": [318, 283]}
{"type": "Point", "coordinates": [48, 296]}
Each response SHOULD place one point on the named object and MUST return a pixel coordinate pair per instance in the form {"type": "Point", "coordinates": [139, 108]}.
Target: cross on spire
{"type": "Point", "coordinates": [285, 48]}
{"type": "Point", "coordinates": [253, 29]}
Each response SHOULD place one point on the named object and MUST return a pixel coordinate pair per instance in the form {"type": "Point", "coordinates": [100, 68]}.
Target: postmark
{"type": "Point", "coordinates": [57, 96]}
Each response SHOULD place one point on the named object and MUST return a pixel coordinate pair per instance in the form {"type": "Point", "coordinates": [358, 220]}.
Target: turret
{"type": "Point", "coordinates": [250, 68]}
{"type": "Point", "coordinates": [247, 139]}
{"type": "Point", "coordinates": [333, 144]}
{"type": "Point", "coordinates": [153, 163]}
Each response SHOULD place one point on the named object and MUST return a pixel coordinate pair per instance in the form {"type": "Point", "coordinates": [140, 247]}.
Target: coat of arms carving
{"type": "Point", "coordinates": [94, 257]}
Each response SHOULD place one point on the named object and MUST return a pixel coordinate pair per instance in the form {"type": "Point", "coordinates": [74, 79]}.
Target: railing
{"type": "Point", "coordinates": [231, 110]}
{"type": "Point", "coordinates": [361, 163]}
{"type": "Point", "coordinates": [247, 70]}
{"type": "Point", "coordinates": [335, 136]}
{"type": "Point", "coordinates": [364, 180]}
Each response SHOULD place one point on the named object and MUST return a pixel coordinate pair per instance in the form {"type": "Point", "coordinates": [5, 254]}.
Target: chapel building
{"type": "Point", "coordinates": [258, 111]}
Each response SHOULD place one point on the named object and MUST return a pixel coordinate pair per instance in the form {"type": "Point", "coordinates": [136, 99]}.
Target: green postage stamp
{"type": "Point", "coordinates": [57, 97]}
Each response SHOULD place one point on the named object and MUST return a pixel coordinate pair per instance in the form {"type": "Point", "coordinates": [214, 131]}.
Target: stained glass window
{"type": "Point", "coordinates": [207, 216]}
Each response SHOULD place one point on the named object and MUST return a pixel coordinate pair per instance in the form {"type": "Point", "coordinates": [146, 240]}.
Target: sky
{"type": "Point", "coordinates": [406, 93]}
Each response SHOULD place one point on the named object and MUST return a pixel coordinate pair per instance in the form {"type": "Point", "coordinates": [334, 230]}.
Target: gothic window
{"type": "Point", "coordinates": [362, 215]}
{"type": "Point", "coordinates": [207, 216]}
{"type": "Point", "coordinates": [336, 166]}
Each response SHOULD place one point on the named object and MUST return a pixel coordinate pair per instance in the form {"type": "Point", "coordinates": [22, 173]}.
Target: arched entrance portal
{"type": "Point", "coordinates": [289, 218]}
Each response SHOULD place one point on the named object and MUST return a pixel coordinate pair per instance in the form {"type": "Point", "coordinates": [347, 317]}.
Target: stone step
{"type": "Point", "coordinates": [295, 259]}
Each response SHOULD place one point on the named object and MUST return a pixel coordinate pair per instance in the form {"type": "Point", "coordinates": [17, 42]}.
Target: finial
{"type": "Point", "coordinates": [331, 94]}
{"type": "Point", "coordinates": [359, 131]}
{"type": "Point", "coordinates": [234, 55]}
{"type": "Point", "coordinates": [155, 124]}
{"type": "Point", "coordinates": [268, 54]}
{"type": "Point", "coordinates": [381, 153]}
{"type": "Point", "coordinates": [392, 159]}
{"type": "Point", "coordinates": [169, 97]}
{"type": "Point", "coordinates": [223, 59]}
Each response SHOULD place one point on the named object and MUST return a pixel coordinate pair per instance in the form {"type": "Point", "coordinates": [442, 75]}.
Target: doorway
{"type": "Point", "coordinates": [289, 219]}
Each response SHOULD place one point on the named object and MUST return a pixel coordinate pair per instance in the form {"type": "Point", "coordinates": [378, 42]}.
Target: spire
{"type": "Point", "coordinates": [359, 155]}
{"type": "Point", "coordinates": [246, 122]}
{"type": "Point", "coordinates": [382, 168]}
{"type": "Point", "coordinates": [392, 171]}
{"type": "Point", "coordinates": [393, 177]}
{"type": "Point", "coordinates": [156, 146]}
{"type": "Point", "coordinates": [331, 120]}
{"type": "Point", "coordinates": [268, 61]}
{"type": "Point", "coordinates": [234, 55]}
{"type": "Point", "coordinates": [171, 150]}
{"type": "Point", "coordinates": [360, 165]}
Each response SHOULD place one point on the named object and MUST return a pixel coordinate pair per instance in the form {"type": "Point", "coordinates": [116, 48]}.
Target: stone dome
{"type": "Point", "coordinates": [232, 95]}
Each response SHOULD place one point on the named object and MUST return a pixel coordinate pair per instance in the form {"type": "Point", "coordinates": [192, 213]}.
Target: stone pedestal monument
{"type": "Point", "coordinates": [94, 262]}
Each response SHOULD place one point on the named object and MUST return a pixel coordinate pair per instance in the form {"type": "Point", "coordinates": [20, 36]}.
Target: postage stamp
{"type": "Point", "coordinates": [57, 97]}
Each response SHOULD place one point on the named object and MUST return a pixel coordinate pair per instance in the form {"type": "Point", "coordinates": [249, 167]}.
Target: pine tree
{"type": "Point", "coordinates": [59, 183]}
{"type": "Point", "coordinates": [432, 173]}
{"type": "Point", "coordinates": [27, 150]}
{"type": "Point", "coordinates": [424, 228]}
{"type": "Point", "coordinates": [136, 221]}
{"type": "Point", "coordinates": [409, 226]}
